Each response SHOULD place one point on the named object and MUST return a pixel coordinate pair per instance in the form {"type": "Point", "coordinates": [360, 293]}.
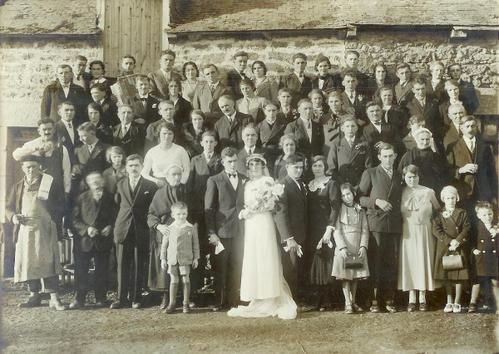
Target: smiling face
{"type": "Point", "coordinates": [246, 90]}
{"type": "Point", "coordinates": [419, 91]}
{"type": "Point", "coordinates": [452, 91]}
{"type": "Point", "coordinates": [455, 114]}
{"type": "Point", "coordinates": [143, 87]}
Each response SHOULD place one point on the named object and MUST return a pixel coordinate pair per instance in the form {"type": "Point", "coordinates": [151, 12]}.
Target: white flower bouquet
{"type": "Point", "coordinates": [262, 197]}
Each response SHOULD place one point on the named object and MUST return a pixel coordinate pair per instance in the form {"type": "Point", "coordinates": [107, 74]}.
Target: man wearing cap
{"type": "Point", "coordinates": [35, 209]}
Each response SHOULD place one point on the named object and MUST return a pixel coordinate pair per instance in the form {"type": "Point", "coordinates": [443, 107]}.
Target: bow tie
{"type": "Point", "coordinates": [232, 175]}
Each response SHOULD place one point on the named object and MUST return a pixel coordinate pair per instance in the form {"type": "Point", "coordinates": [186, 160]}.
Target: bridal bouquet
{"type": "Point", "coordinates": [262, 196]}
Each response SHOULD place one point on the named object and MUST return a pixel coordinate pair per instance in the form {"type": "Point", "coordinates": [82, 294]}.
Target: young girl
{"type": "Point", "coordinates": [179, 250]}
{"type": "Point", "coordinates": [112, 175]}
{"type": "Point", "coordinates": [351, 236]}
{"type": "Point", "coordinates": [451, 227]}
{"type": "Point", "coordinates": [486, 253]}
{"type": "Point", "coordinates": [317, 98]}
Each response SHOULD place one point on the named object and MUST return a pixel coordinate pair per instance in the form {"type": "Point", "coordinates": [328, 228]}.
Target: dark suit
{"type": "Point", "coordinates": [109, 115]}
{"type": "Point", "coordinates": [362, 80]}
{"type": "Point", "coordinates": [91, 162]}
{"type": "Point", "coordinates": [385, 227]}
{"type": "Point", "coordinates": [242, 155]}
{"type": "Point", "coordinates": [403, 94]}
{"type": "Point", "coordinates": [451, 136]}
{"type": "Point", "coordinates": [87, 212]}
{"type": "Point", "coordinates": [438, 93]}
{"type": "Point", "coordinates": [358, 106]}
{"type": "Point", "coordinates": [230, 134]}
{"type": "Point", "coordinates": [388, 134]}
{"type": "Point", "coordinates": [330, 84]}
{"type": "Point", "coordinates": [131, 235]}
{"type": "Point", "coordinates": [309, 147]}
{"type": "Point", "coordinates": [53, 96]}
{"type": "Point", "coordinates": [479, 186]}
{"type": "Point", "coordinates": [467, 94]}
{"type": "Point", "coordinates": [183, 109]}
{"type": "Point", "coordinates": [159, 83]}
{"type": "Point", "coordinates": [64, 138]}
{"type": "Point", "coordinates": [146, 110]}
{"type": "Point", "coordinates": [298, 89]}
{"type": "Point", "coordinates": [270, 137]}
{"type": "Point", "coordinates": [207, 101]}
{"type": "Point", "coordinates": [192, 139]}
{"type": "Point", "coordinates": [132, 142]}
{"type": "Point", "coordinates": [347, 163]}
{"type": "Point", "coordinates": [397, 117]}
{"type": "Point", "coordinates": [222, 205]}
{"type": "Point", "coordinates": [431, 115]}
{"type": "Point", "coordinates": [293, 206]}
{"type": "Point", "coordinates": [234, 78]}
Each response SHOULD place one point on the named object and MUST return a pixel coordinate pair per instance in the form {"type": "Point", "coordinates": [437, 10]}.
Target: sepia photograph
{"type": "Point", "coordinates": [264, 176]}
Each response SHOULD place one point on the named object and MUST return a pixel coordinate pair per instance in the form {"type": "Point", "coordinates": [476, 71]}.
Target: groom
{"type": "Point", "coordinates": [223, 202]}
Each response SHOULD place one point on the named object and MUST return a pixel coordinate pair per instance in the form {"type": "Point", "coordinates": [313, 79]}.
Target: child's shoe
{"type": "Point", "coordinates": [456, 308]}
{"type": "Point", "coordinates": [448, 308]}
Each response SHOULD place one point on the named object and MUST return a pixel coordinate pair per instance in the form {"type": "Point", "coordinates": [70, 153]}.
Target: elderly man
{"type": "Point", "coordinates": [92, 224]}
{"type": "Point", "coordinates": [161, 77]}
{"type": "Point", "coordinates": [230, 125]}
{"type": "Point", "coordinates": [35, 208]}
{"type": "Point", "coordinates": [128, 135]}
{"type": "Point", "coordinates": [455, 112]}
{"type": "Point", "coordinates": [63, 89]}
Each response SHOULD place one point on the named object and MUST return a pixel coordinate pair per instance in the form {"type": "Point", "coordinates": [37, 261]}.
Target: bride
{"type": "Point", "coordinates": [262, 280]}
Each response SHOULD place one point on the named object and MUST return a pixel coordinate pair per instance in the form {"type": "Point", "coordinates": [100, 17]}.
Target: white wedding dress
{"type": "Point", "coordinates": [262, 280]}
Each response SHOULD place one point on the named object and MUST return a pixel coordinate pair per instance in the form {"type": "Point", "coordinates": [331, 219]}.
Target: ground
{"type": "Point", "coordinates": [150, 331]}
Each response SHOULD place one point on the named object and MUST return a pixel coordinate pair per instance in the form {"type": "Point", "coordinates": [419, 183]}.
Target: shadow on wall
{"type": "Point", "coordinates": [185, 11]}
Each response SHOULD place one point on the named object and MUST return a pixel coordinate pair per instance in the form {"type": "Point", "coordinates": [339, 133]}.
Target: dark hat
{"type": "Point", "coordinates": [28, 158]}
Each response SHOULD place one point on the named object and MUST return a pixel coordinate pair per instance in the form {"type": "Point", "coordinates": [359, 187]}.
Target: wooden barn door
{"type": "Point", "coordinates": [132, 27]}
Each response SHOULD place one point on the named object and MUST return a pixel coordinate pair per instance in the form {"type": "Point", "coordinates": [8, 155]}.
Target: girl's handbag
{"type": "Point", "coordinates": [453, 261]}
{"type": "Point", "coordinates": [353, 262]}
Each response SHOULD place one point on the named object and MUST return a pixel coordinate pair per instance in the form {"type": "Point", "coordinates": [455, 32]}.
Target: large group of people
{"type": "Point", "coordinates": [279, 188]}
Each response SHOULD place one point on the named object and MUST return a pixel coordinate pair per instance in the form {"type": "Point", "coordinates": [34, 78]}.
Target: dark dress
{"type": "Point", "coordinates": [447, 228]}
{"type": "Point", "coordinates": [324, 203]}
{"type": "Point", "coordinates": [160, 213]}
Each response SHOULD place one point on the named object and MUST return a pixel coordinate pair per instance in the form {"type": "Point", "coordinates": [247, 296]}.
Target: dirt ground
{"type": "Point", "coordinates": [149, 331]}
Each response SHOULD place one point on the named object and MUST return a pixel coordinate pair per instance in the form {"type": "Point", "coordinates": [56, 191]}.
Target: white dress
{"type": "Point", "coordinates": [262, 280]}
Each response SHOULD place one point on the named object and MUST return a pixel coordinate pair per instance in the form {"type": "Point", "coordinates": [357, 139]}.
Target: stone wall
{"type": "Point", "coordinates": [26, 68]}
{"type": "Point", "coordinates": [477, 54]}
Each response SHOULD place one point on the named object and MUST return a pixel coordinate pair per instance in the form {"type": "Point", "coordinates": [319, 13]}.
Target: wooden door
{"type": "Point", "coordinates": [132, 27]}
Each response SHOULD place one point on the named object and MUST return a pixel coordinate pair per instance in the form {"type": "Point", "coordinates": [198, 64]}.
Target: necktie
{"type": "Point", "coordinates": [390, 173]}
{"type": "Point", "coordinates": [212, 88]}
{"type": "Point", "coordinates": [472, 145]}
{"type": "Point", "coordinates": [250, 151]}
{"type": "Point", "coordinates": [70, 126]}
{"type": "Point", "coordinates": [90, 149]}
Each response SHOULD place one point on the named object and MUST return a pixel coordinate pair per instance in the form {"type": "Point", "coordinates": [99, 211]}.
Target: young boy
{"type": "Point", "coordinates": [486, 256]}
{"type": "Point", "coordinates": [180, 251]}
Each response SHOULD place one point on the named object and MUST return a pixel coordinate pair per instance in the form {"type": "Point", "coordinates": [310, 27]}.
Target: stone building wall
{"type": "Point", "coordinates": [26, 67]}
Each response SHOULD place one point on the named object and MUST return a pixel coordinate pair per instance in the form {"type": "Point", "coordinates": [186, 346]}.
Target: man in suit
{"type": "Point", "coordinates": [131, 233]}
{"type": "Point", "coordinates": [93, 217]}
{"type": "Point", "coordinates": [250, 139]}
{"type": "Point", "coordinates": [64, 90]}
{"type": "Point", "coordinates": [270, 130]}
{"type": "Point", "coordinates": [128, 134]}
{"type": "Point", "coordinates": [352, 98]}
{"type": "Point", "coordinates": [144, 105]}
{"type": "Point", "coordinates": [473, 165]}
{"type": "Point", "coordinates": [297, 82]}
{"type": "Point", "coordinates": [127, 65]}
{"type": "Point", "coordinates": [222, 204]}
{"type": "Point", "coordinates": [309, 135]}
{"type": "Point", "coordinates": [380, 191]}
{"type": "Point", "coordinates": [206, 94]}
{"type": "Point", "coordinates": [230, 125]}
{"type": "Point", "coordinates": [81, 77]}
{"type": "Point", "coordinates": [435, 84]}
{"type": "Point", "coordinates": [66, 130]}
{"type": "Point", "coordinates": [392, 113]}
{"type": "Point", "coordinates": [426, 107]}
{"type": "Point", "coordinates": [455, 112]}
{"type": "Point", "coordinates": [203, 166]}
{"type": "Point", "coordinates": [403, 88]}
{"type": "Point", "coordinates": [161, 77]}
{"type": "Point", "coordinates": [90, 156]}
{"type": "Point", "coordinates": [352, 65]}
{"type": "Point", "coordinates": [236, 74]}
{"type": "Point", "coordinates": [467, 92]}
{"type": "Point", "coordinates": [379, 131]}
{"type": "Point", "coordinates": [287, 112]}
{"type": "Point", "coordinates": [349, 155]}
{"type": "Point", "coordinates": [109, 108]}
{"type": "Point", "coordinates": [292, 230]}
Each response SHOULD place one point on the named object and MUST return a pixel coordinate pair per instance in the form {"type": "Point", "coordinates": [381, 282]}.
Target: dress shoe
{"type": "Point", "coordinates": [75, 305]}
{"type": "Point", "coordinates": [33, 301]}
{"type": "Point", "coordinates": [56, 305]}
{"type": "Point", "coordinates": [472, 308]}
{"type": "Point", "coordinates": [411, 307]}
{"type": "Point", "coordinates": [116, 305]}
{"type": "Point", "coordinates": [423, 307]}
{"type": "Point", "coordinates": [136, 305]}
{"type": "Point", "coordinates": [391, 309]}
{"type": "Point", "coordinates": [357, 308]}
{"type": "Point", "coordinates": [374, 308]}
{"type": "Point", "coordinates": [169, 310]}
